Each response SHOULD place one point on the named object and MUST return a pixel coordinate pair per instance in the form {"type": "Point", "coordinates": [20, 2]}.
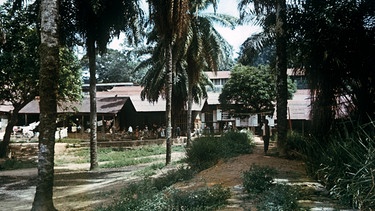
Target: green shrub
{"type": "Point", "coordinates": [200, 199]}
{"type": "Point", "coordinates": [173, 176]}
{"type": "Point", "coordinates": [258, 179]}
{"type": "Point", "coordinates": [203, 153]}
{"type": "Point", "coordinates": [279, 198]}
{"type": "Point", "coordinates": [234, 143]}
{"type": "Point", "coordinates": [344, 162]}
{"type": "Point", "coordinates": [10, 164]}
{"type": "Point", "coordinates": [295, 144]}
{"type": "Point", "coordinates": [145, 196]}
{"type": "Point", "coordinates": [207, 151]}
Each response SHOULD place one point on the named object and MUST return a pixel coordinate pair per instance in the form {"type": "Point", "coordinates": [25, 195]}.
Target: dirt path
{"type": "Point", "coordinates": [76, 188]}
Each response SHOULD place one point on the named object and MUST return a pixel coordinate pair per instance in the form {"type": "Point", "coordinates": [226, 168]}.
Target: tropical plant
{"type": "Point", "coordinates": [97, 22]}
{"type": "Point", "coordinates": [334, 41]}
{"type": "Point", "coordinates": [202, 49]}
{"type": "Point", "coordinates": [277, 11]}
{"type": "Point", "coordinates": [171, 20]}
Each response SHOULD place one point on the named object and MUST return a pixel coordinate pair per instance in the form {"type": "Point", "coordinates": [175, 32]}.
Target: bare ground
{"type": "Point", "coordinates": [76, 188]}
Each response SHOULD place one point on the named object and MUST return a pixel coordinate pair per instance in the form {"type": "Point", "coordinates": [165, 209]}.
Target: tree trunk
{"type": "Point", "coordinates": [168, 109]}
{"type": "Point", "coordinates": [93, 115]}
{"type": "Point", "coordinates": [4, 145]}
{"type": "Point", "coordinates": [281, 69]}
{"type": "Point", "coordinates": [48, 76]}
{"type": "Point", "coordinates": [189, 113]}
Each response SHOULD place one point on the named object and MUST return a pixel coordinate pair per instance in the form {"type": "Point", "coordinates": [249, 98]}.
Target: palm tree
{"type": "Point", "coordinates": [97, 22]}
{"type": "Point", "coordinates": [170, 18]}
{"type": "Point", "coordinates": [265, 10]}
{"type": "Point", "coordinates": [206, 50]}
{"type": "Point", "coordinates": [201, 49]}
{"type": "Point", "coordinates": [49, 66]}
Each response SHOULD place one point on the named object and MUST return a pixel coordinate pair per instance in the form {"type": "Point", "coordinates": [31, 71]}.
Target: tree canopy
{"type": "Point", "coordinates": [251, 90]}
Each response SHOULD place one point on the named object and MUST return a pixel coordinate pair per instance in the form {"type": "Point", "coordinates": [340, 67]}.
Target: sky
{"type": "Point", "coordinates": [234, 37]}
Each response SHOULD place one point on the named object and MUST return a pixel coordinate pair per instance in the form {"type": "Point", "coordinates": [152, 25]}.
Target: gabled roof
{"type": "Point", "coordinates": [105, 105]}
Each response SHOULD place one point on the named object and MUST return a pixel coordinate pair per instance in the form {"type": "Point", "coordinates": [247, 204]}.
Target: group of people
{"type": "Point", "coordinates": [155, 132]}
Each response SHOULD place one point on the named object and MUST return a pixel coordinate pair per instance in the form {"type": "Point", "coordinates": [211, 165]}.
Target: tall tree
{"type": "Point", "coordinates": [335, 44]}
{"type": "Point", "coordinates": [281, 75]}
{"type": "Point", "coordinates": [273, 15]}
{"type": "Point", "coordinates": [170, 18]}
{"type": "Point", "coordinates": [201, 49]}
{"type": "Point", "coordinates": [206, 50]}
{"type": "Point", "coordinates": [97, 22]}
{"type": "Point", "coordinates": [49, 66]}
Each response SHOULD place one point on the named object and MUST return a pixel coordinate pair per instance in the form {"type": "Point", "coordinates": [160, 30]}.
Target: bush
{"type": "Point", "coordinates": [207, 151]}
{"type": "Point", "coordinates": [201, 199]}
{"type": "Point", "coordinates": [280, 197]}
{"type": "Point", "coordinates": [258, 179]}
{"type": "Point", "coordinates": [295, 144]}
{"type": "Point", "coordinates": [144, 196]}
{"type": "Point", "coordinates": [345, 163]}
{"type": "Point", "coordinates": [172, 177]}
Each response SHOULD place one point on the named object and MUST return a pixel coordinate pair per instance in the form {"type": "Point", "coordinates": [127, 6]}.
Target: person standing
{"type": "Point", "coordinates": [266, 135]}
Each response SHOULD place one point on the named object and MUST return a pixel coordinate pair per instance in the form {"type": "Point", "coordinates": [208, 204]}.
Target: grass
{"type": "Point", "coordinates": [117, 157]}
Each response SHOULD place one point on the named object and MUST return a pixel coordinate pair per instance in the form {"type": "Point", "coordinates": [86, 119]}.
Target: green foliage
{"type": "Point", "coordinates": [115, 66]}
{"type": "Point", "coordinates": [345, 163]}
{"type": "Point", "coordinates": [70, 84]}
{"type": "Point", "coordinates": [200, 199]}
{"type": "Point", "coordinates": [143, 196]}
{"type": "Point", "coordinates": [157, 195]}
{"type": "Point", "coordinates": [11, 164]}
{"type": "Point", "coordinates": [258, 179]}
{"type": "Point", "coordinates": [19, 56]}
{"type": "Point", "coordinates": [294, 143]}
{"type": "Point", "coordinates": [258, 182]}
{"type": "Point", "coordinates": [207, 151]}
{"type": "Point", "coordinates": [280, 197]}
{"type": "Point", "coordinates": [251, 90]}
{"type": "Point", "coordinates": [173, 176]}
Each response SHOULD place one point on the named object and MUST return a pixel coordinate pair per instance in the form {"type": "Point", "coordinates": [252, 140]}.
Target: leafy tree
{"type": "Point", "coordinates": [116, 66]}
{"type": "Point", "coordinates": [19, 64]}
{"type": "Point", "coordinates": [251, 90]}
{"type": "Point", "coordinates": [49, 71]}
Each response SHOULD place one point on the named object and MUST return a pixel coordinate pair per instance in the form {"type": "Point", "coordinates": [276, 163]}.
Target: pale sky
{"type": "Point", "coordinates": [234, 37]}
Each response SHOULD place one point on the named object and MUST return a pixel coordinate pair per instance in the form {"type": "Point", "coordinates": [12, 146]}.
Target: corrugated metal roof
{"type": "Point", "coordinates": [218, 75]}
{"type": "Point", "coordinates": [105, 105]}
{"type": "Point", "coordinates": [6, 107]}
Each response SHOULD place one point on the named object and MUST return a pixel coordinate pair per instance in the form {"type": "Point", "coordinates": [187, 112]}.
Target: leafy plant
{"type": "Point", "coordinates": [279, 197]}
{"type": "Point", "coordinates": [144, 195]}
{"type": "Point", "coordinates": [207, 151]}
{"type": "Point", "coordinates": [345, 163]}
{"type": "Point", "coordinates": [258, 179]}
